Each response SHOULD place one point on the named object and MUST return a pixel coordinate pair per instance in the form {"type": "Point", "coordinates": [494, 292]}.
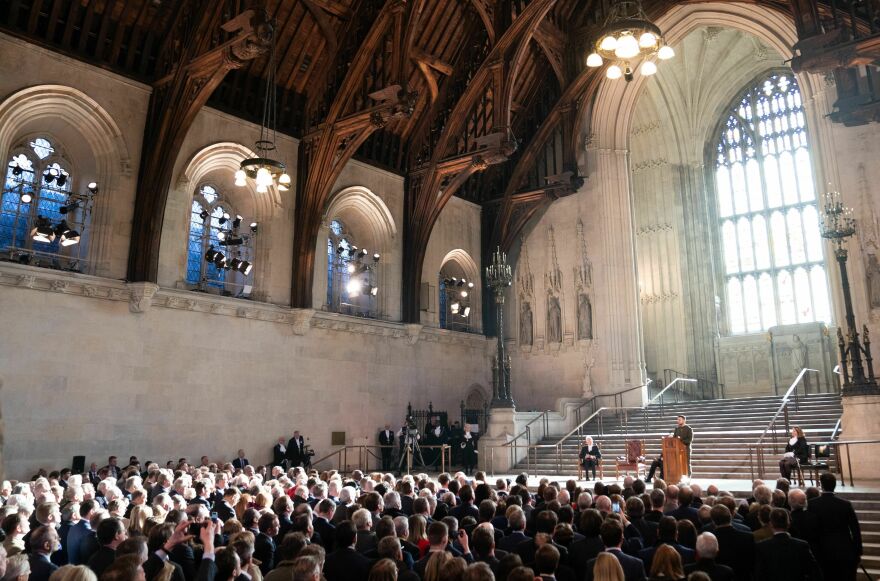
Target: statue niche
{"type": "Point", "coordinates": [525, 324]}
{"type": "Point", "coordinates": [554, 320]}
{"type": "Point", "coordinates": [873, 281]}
{"type": "Point", "coordinates": [585, 317]}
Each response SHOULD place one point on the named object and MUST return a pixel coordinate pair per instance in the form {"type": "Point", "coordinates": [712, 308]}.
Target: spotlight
{"type": "Point", "coordinates": [353, 250]}
{"type": "Point", "coordinates": [93, 187]}
{"type": "Point", "coordinates": [353, 287]}
{"type": "Point", "coordinates": [340, 249]}
{"type": "Point", "coordinates": [374, 290]}
{"type": "Point", "coordinates": [61, 180]}
{"type": "Point", "coordinates": [69, 207]}
{"type": "Point", "coordinates": [254, 227]}
{"type": "Point", "coordinates": [376, 257]}
{"type": "Point", "coordinates": [460, 283]}
{"type": "Point", "coordinates": [364, 252]}
{"type": "Point", "coordinates": [43, 232]}
{"type": "Point", "coordinates": [27, 197]}
{"type": "Point", "coordinates": [470, 285]}
{"type": "Point", "coordinates": [234, 241]}
{"type": "Point", "coordinates": [223, 219]}
{"type": "Point", "coordinates": [466, 312]}
{"type": "Point", "coordinates": [204, 215]}
{"type": "Point", "coordinates": [351, 268]}
{"type": "Point", "coordinates": [236, 223]}
{"type": "Point", "coordinates": [221, 236]}
{"type": "Point", "coordinates": [235, 263]}
{"type": "Point", "coordinates": [70, 238]}
{"type": "Point", "coordinates": [17, 171]}
{"type": "Point", "coordinates": [464, 294]}
{"type": "Point", "coordinates": [219, 259]}
{"type": "Point", "coordinates": [226, 215]}
{"type": "Point", "coordinates": [61, 228]}
{"type": "Point", "coordinates": [53, 172]}
{"type": "Point", "coordinates": [245, 267]}
{"type": "Point", "coordinates": [454, 307]}
{"type": "Point", "coordinates": [210, 255]}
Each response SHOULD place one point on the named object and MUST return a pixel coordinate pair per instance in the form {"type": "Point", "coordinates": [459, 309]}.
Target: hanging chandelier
{"type": "Point", "coordinates": [264, 169]}
{"type": "Point", "coordinates": [629, 36]}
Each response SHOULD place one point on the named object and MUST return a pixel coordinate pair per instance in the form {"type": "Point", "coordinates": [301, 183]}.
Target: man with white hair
{"type": "Point", "coordinates": [707, 551]}
{"type": "Point", "coordinates": [392, 505]}
{"type": "Point", "coordinates": [366, 538]}
{"type": "Point", "coordinates": [803, 522]}
{"type": "Point", "coordinates": [590, 456]}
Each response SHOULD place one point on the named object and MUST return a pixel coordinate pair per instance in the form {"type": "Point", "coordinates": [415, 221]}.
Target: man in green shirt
{"type": "Point", "coordinates": [686, 434]}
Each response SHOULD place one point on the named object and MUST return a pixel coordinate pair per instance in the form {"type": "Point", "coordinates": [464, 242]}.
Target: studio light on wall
{"type": "Point", "coordinates": [264, 169]}
{"type": "Point", "coordinates": [232, 239]}
{"type": "Point", "coordinates": [626, 38]}
{"type": "Point", "coordinates": [458, 291]}
{"type": "Point", "coordinates": [361, 269]}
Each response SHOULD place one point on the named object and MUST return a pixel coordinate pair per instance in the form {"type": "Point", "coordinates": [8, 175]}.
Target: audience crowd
{"type": "Point", "coordinates": [207, 522]}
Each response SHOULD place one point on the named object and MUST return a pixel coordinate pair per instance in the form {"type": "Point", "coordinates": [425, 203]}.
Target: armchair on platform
{"type": "Point", "coordinates": [634, 460]}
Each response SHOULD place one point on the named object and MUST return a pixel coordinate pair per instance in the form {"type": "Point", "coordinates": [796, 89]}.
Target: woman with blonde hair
{"type": "Point", "coordinates": [137, 519]}
{"type": "Point", "coordinates": [244, 503]}
{"type": "Point", "coordinates": [435, 566]}
{"type": "Point", "coordinates": [666, 565]}
{"type": "Point", "coordinates": [384, 570]}
{"type": "Point", "coordinates": [73, 573]}
{"type": "Point", "coordinates": [418, 534]}
{"type": "Point", "coordinates": [607, 568]}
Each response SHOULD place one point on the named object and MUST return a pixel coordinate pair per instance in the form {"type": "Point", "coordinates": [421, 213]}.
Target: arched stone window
{"type": "Point", "coordinates": [458, 293]}
{"type": "Point", "coordinates": [42, 220]}
{"type": "Point", "coordinates": [352, 285]}
{"type": "Point", "coordinates": [773, 256]}
{"type": "Point", "coordinates": [219, 249]}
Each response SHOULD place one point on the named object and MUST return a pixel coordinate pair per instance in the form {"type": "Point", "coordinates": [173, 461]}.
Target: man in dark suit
{"type": "Point", "coordinates": [840, 539]}
{"type": "Point", "coordinates": [736, 548]}
{"type": "Point", "coordinates": [240, 462]}
{"type": "Point", "coordinates": [323, 523]}
{"type": "Point", "coordinates": [707, 551]}
{"type": "Point", "coordinates": [162, 541]}
{"type": "Point", "coordinates": [685, 511]}
{"type": "Point", "coordinates": [224, 508]}
{"type": "Point", "coordinates": [516, 521]}
{"type": "Point", "coordinates": [581, 552]}
{"type": "Point", "coordinates": [79, 532]}
{"type": "Point", "coordinates": [111, 532]}
{"type": "Point", "coordinates": [612, 537]}
{"type": "Point", "coordinates": [803, 522]}
{"type": "Point", "coordinates": [466, 508]}
{"type": "Point", "coordinates": [667, 534]}
{"type": "Point", "coordinates": [386, 440]}
{"type": "Point", "coordinates": [279, 453]}
{"type": "Point", "coordinates": [264, 545]}
{"type": "Point", "coordinates": [658, 501]}
{"type": "Point", "coordinates": [784, 558]}
{"type": "Point", "coordinates": [346, 564]}
{"type": "Point", "coordinates": [438, 540]}
{"type": "Point", "coordinates": [44, 541]}
{"type": "Point", "coordinates": [296, 449]}
{"type": "Point", "coordinates": [635, 511]}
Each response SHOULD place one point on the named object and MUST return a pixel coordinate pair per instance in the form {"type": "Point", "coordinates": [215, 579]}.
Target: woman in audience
{"type": "Point", "coordinates": [418, 534]}
{"type": "Point", "coordinates": [73, 573]}
{"type": "Point", "coordinates": [435, 565]}
{"type": "Point", "coordinates": [384, 570]}
{"type": "Point", "coordinates": [666, 565]}
{"type": "Point", "coordinates": [607, 568]}
{"type": "Point", "coordinates": [17, 568]}
{"type": "Point", "coordinates": [137, 520]}
{"type": "Point", "coordinates": [454, 570]}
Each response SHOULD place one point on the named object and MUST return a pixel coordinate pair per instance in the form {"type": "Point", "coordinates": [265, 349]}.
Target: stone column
{"type": "Point", "coordinates": [859, 421]}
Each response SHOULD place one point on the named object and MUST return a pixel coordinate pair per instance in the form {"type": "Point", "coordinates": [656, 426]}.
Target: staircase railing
{"type": "Point", "coordinates": [516, 443]}
{"type": "Point", "coordinates": [782, 412]}
{"type": "Point", "coordinates": [706, 388]}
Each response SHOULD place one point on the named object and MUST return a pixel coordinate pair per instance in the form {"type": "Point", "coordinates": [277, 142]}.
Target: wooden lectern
{"type": "Point", "coordinates": [675, 459]}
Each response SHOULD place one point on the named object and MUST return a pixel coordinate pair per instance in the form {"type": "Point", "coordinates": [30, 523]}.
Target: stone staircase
{"type": "Point", "coordinates": [722, 430]}
{"type": "Point", "coordinates": [867, 505]}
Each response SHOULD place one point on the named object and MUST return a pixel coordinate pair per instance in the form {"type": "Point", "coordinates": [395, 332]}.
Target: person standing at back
{"type": "Point", "coordinates": [840, 538]}
{"type": "Point", "coordinates": [685, 433]}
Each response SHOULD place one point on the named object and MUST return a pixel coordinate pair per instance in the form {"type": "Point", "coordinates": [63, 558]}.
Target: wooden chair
{"type": "Point", "coordinates": [599, 470]}
{"type": "Point", "coordinates": [635, 452]}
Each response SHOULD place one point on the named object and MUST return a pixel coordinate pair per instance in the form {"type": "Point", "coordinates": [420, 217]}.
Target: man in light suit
{"type": "Point", "coordinates": [386, 438]}
{"type": "Point", "coordinates": [612, 537]}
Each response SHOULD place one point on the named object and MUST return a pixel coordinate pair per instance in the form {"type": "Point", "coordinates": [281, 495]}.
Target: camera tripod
{"type": "Point", "coordinates": [410, 450]}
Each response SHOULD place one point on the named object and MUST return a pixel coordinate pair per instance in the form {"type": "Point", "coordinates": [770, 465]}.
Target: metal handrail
{"type": "Point", "coordinates": [662, 391]}
{"type": "Point", "coordinates": [782, 410]}
{"type": "Point", "coordinates": [836, 444]}
{"type": "Point", "coordinates": [527, 429]}
{"type": "Point", "coordinates": [365, 450]}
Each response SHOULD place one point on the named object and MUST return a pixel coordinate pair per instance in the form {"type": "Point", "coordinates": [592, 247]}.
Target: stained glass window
{"type": "Point", "coordinates": [211, 222]}
{"type": "Point", "coordinates": [773, 255]}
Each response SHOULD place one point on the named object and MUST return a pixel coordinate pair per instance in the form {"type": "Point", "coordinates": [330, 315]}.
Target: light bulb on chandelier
{"type": "Point", "coordinates": [613, 72]}
{"type": "Point", "coordinates": [626, 39]}
{"type": "Point", "coordinates": [627, 46]}
{"type": "Point", "coordinates": [648, 68]}
{"type": "Point", "coordinates": [665, 53]}
{"type": "Point", "coordinates": [594, 60]}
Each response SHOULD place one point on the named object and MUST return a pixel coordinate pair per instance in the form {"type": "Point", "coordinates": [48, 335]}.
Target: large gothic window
{"type": "Point", "coordinates": [41, 218]}
{"type": "Point", "coordinates": [220, 249]}
{"type": "Point", "coordinates": [455, 302]}
{"type": "Point", "coordinates": [352, 284]}
{"type": "Point", "coordinates": [773, 256]}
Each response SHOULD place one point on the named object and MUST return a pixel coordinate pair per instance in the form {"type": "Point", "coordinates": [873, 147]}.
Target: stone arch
{"type": "Point", "coordinates": [367, 216]}
{"type": "Point", "coordinates": [468, 267]}
{"type": "Point", "coordinates": [74, 109]}
{"type": "Point", "coordinates": [476, 397]}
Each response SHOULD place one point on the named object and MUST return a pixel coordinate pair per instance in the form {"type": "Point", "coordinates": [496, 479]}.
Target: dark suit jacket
{"type": "Point", "coordinates": [463, 510]}
{"type": "Point", "coordinates": [736, 549]}
{"type": "Point", "coordinates": [715, 571]}
{"type": "Point", "coordinates": [41, 567]}
{"type": "Point", "coordinates": [366, 541]}
{"type": "Point", "coordinates": [346, 564]}
{"type": "Point", "coordinates": [647, 530]}
{"type": "Point", "coordinates": [526, 552]}
{"type": "Point", "coordinates": [278, 457]}
{"type": "Point", "coordinates": [686, 513]}
{"type": "Point", "coordinates": [510, 542]}
{"type": "Point", "coordinates": [406, 504]}
{"type": "Point", "coordinates": [154, 565]}
{"type": "Point", "coordinates": [264, 551]}
{"type": "Point", "coordinates": [240, 463]}
{"type": "Point", "coordinates": [295, 450]}
{"type": "Point", "coordinates": [102, 559]}
{"type": "Point", "coordinates": [582, 552]}
{"type": "Point", "coordinates": [633, 569]}
{"type": "Point", "coordinates": [184, 556]}
{"type": "Point", "coordinates": [386, 439]}
{"type": "Point", "coordinates": [840, 538]}
{"type": "Point", "coordinates": [647, 555]}
{"type": "Point", "coordinates": [224, 511]}
{"type": "Point", "coordinates": [327, 531]}
{"type": "Point", "coordinates": [784, 558]}
{"type": "Point", "coordinates": [75, 539]}
{"type": "Point", "coordinates": [410, 548]}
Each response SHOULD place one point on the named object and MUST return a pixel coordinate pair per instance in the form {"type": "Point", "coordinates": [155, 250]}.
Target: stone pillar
{"type": "Point", "coordinates": [500, 430]}
{"type": "Point", "coordinates": [859, 421]}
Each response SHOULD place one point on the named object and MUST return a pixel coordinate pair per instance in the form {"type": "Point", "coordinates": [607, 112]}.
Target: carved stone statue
{"type": "Point", "coordinates": [589, 363]}
{"type": "Point", "coordinates": [525, 324]}
{"type": "Point", "coordinates": [585, 317]}
{"type": "Point", "coordinates": [554, 321]}
{"type": "Point", "coordinates": [798, 355]}
{"type": "Point", "coordinates": [874, 281]}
